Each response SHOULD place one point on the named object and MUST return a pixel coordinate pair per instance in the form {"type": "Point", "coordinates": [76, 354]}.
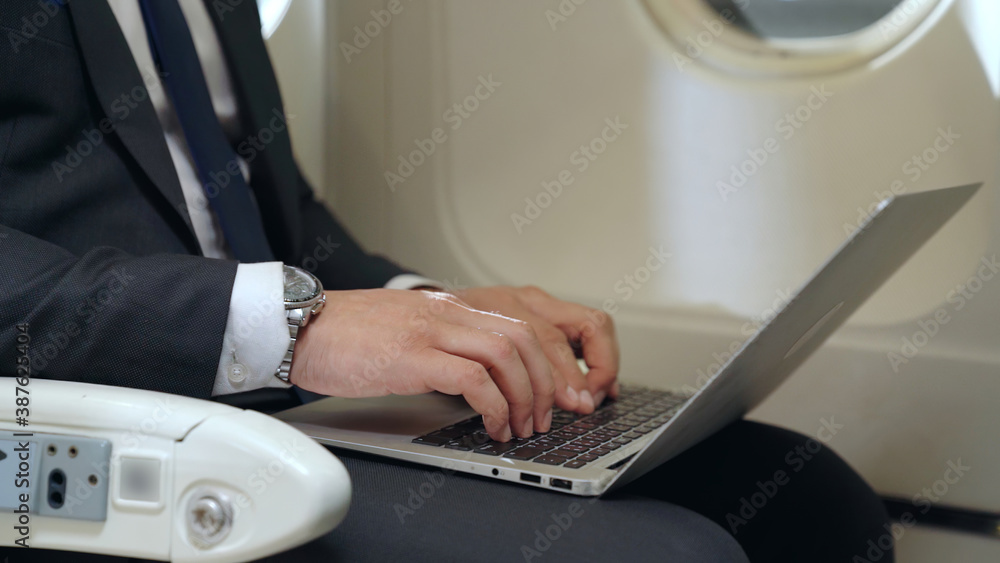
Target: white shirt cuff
{"type": "Point", "coordinates": [411, 281]}
{"type": "Point", "coordinates": [257, 331]}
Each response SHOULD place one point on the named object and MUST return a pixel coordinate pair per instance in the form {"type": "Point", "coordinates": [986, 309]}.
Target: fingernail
{"type": "Point", "coordinates": [574, 397]}
{"type": "Point", "coordinates": [599, 398]}
{"type": "Point", "coordinates": [586, 400]}
{"type": "Point", "coordinates": [529, 427]}
{"type": "Point", "coordinates": [505, 434]}
{"type": "Point", "coordinates": [547, 421]}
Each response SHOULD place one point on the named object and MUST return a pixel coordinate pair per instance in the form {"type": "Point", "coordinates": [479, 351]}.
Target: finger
{"type": "Point", "coordinates": [453, 375]}
{"type": "Point", "coordinates": [557, 342]}
{"type": "Point", "coordinates": [547, 384]}
{"type": "Point", "coordinates": [529, 348]}
{"type": "Point", "coordinates": [601, 353]}
{"type": "Point", "coordinates": [576, 396]}
{"type": "Point", "coordinates": [564, 396]}
{"type": "Point", "coordinates": [498, 354]}
{"type": "Point", "coordinates": [595, 331]}
{"type": "Point", "coordinates": [559, 392]}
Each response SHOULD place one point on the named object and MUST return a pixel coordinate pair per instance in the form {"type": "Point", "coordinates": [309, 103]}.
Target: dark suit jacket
{"type": "Point", "coordinates": [97, 253]}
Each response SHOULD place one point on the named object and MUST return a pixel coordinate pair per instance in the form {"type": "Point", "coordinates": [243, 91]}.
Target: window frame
{"type": "Point", "coordinates": [691, 27]}
{"type": "Point", "coordinates": [272, 13]}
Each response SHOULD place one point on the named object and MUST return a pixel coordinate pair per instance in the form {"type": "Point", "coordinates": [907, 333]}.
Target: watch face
{"type": "Point", "coordinates": [299, 286]}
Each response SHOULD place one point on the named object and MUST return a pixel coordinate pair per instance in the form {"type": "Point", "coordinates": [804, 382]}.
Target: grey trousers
{"type": "Point", "coordinates": [682, 511]}
{"type": "Point", "coordinates": [403, 512]}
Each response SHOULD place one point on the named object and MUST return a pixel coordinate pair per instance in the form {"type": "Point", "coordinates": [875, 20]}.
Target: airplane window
{"type": "Point", "coordinates": [271, 14]}
{"type": "Point", "coordinates": [784, 37]}
{"type": "Point", "coordinates": [801, 19]}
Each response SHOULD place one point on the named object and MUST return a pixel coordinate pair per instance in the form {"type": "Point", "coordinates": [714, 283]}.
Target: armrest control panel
{"type": "Point", "coordinates": [54, 475]}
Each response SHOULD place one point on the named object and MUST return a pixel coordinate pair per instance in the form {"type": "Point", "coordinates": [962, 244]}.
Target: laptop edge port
{"type": "Point", "coordinates": [562, 484]}
{"type": "Point", "coordinates": [531, 478]}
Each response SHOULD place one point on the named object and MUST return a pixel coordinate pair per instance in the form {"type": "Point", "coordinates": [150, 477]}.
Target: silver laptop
{"type": "Point", "coordinates": [623, 439]}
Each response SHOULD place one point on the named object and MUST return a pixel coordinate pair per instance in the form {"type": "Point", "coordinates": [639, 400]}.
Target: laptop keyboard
{"type": "Point", "coordinates": [574, 440]}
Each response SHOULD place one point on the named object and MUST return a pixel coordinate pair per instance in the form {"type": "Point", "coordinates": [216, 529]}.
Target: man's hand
{"type": "Point", "coordinates": [376, 342]}
{"type": "Point", "coordinates": [562, 328]}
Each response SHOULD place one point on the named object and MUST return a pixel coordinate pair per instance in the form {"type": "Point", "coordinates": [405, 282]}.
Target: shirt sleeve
{"type": "Point", "coordinates": [256, 336]}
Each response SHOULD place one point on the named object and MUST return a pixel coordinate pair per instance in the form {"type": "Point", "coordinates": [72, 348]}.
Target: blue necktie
{"type": "Point", "coordinates": [215, 159]}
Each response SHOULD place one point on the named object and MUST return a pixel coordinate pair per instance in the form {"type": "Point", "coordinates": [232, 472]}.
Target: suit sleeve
{"type": "Point", "coordinates": [106, 317]}
{"type": "Point", "coordinates": [332, 254]}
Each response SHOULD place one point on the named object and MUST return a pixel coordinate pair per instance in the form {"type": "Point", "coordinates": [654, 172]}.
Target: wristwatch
{"type": "Point", "coordinates": [304, 299]}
